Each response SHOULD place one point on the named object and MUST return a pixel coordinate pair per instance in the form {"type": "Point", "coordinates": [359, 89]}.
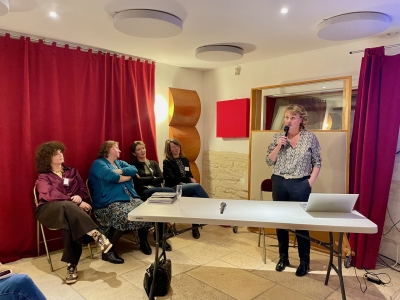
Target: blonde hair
{"type": "Point", "coordinates": [167, 148]}
{"type": "Point", "coordinates": [105, 148]}
{"type": "Point", "coordinates": [297, 109]}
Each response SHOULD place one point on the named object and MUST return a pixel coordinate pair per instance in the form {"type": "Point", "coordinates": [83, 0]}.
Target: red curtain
{"type": "Point", "coordinates": [373, 146]}
{"type": "Point", "coordinates": [80, 98]}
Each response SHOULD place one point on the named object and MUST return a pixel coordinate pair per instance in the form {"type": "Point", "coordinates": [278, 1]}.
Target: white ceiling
{"type": "Point", "coordinates": [255, 25]}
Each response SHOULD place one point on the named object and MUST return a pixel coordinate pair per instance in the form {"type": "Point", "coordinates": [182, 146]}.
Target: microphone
{"type": "Point", "coordinates": [286, 130]}
{"type": "Point", "coordinates": [222, 207]}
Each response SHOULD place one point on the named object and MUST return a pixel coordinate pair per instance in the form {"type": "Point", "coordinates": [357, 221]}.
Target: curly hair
{"type": "Point", "coordinates": [167, 148]}
{"type": "Point", "coordinates": [297, 109]}
{"type": "Point", "coordinates": [105, 148]}
{"type": "Point", "coordinates": [44, 154]}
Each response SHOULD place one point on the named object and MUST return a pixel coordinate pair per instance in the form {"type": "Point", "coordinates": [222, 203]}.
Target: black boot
{"type": "Point", "coordinates": [114, 235]}
{"type": "Point", "coordinates": [112, 257]}
{"type": "Point", "coordinates": [144, 244]}
{"type": "Point", "coordinates": [195, 232]}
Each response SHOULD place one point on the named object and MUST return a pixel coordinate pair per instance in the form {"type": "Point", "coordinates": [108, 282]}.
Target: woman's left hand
{"type": "Point", "coordinates": [310, 183]}
{"type": "Point", "coordinates": [118, 171]}
{"type": "Point", "coordinates": [85, 206]}
{"type": "Point", "coordinates": [77, 199]}
{"type": "Point", "coordinates": [192, 180]}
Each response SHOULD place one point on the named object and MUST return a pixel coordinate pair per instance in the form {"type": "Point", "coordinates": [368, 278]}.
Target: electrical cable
{"type": "Point", "coordinates": [394, 224]}
{"type": "Point", "coordinates": [374, 277]}
{"type": "Point", "coordinates": [382, 261]}
{"type": "Point", "coordinates": [365, 282]}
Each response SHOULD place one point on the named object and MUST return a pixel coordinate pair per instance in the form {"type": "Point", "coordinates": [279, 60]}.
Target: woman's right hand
{"type": "Point", "coordinates": [282, 141]}
{"type": "Point", "coordinates": [85, 206]}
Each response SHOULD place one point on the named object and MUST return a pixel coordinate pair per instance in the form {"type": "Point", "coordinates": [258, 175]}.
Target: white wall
{"type": "Point", "coordinates": [170, 76]}
{"type": "Point", "coordinates": [222, 84]}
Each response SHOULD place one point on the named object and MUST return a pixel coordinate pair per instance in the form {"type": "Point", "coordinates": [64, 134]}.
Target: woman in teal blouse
{"type": "Point", "coordinates": [113, 197]}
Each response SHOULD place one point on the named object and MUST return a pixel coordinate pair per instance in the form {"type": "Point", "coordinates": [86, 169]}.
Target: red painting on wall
{"type": "Point", "coordinates": [233, 118]}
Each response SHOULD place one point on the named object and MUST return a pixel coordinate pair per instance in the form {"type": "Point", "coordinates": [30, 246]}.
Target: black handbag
{"type": "Point", "coordinates": [163, 278]}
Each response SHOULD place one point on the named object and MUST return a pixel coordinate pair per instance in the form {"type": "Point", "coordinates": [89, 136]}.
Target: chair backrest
{"type": "Point", "coordinates": [35, 196]}
{"type": "Point", "coordinates": [89, 191]}
{"type": "Point", "coordinates": [266, 186]}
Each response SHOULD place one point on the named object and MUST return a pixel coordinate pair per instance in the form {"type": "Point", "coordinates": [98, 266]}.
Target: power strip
{"type": "Point", "coordinates": [373, 279]}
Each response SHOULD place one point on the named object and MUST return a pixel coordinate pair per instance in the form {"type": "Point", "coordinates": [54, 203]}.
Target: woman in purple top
{"type": "Point", "coordinates": [61, 205]}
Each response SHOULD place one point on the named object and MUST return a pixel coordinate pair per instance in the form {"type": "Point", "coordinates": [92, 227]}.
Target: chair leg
{"type": "Point", "coordinates": [38, 238]}
{"type": "Point", "coordinates": [91, 252]}
{"type": "Point", "coordinates": [47, 249]}
{"type": "Point", "coordinates": [136, 238]}
{"type": "Point", "coordinates": [259, 236]}
{"type": "Point", "coordinates": [264, 249]}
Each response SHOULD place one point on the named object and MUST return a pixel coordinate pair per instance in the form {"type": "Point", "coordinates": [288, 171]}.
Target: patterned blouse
{"type": "Point", "coordinates": [181, 166]}
{"type": "Point", "coordinates": [297, 161]}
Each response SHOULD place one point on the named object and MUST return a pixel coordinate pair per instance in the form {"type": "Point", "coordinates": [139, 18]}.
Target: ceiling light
{"type": "Point", "coordinates": [4, 7]}
{"type": "Point", "coordinates": [353, 25]}
{"type": "Point", "coordinates": [219, 53]}
{"type": "Point", "coordinates": [147, 23]}
{"type": "Point", "coordinates": [284, 10]}
{"type": "Point", "coordinates": [53, 14]}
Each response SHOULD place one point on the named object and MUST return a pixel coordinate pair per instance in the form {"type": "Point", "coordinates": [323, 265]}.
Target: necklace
{"type": "Point", "coordinates": [59, 172]}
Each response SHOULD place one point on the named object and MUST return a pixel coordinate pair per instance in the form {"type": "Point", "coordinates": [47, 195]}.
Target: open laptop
{"type": "Point", "coordinates": [330, 203]}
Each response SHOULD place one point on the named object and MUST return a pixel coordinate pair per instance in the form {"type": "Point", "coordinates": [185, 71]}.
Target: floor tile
{"type": "Point", "coordinates": [282, 293]}
{"type": "Point", "coordinates": [220, 265]}
{"type": "Point", "coordinates": [229, 280]}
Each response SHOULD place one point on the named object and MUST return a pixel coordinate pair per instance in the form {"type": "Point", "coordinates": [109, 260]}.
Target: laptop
{"type": "Point", "coordinates": [330, 203]}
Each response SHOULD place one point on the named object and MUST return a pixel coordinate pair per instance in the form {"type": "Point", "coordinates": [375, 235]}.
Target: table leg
{"type": "Point", "coordinates": [151, 297]}
{"type": "Point", "coordinates": [328, 272]}
{"type": "Point", "coordinates": [340, 266]}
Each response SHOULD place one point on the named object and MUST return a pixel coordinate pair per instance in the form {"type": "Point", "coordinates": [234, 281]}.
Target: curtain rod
{"type": "Point", "coordinates": [386, 47]}
{"type": "Point", "coordinates": [61, 44]}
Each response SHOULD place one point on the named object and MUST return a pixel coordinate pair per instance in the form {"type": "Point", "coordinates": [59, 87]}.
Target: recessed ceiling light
{"type": "Point", "coordinates": [4, 7]}
{"type": "Point", "coordinates": [324, 87]}
{"type": "Point", "coordinates": [284, 10]}
{"type": "Point", "coordinates": [219, 53]}
{"type": "Point", "coordinates": [53, 14]}
{"type": "Point", "coordinates": [353, 25]}
{"type": "Point", "coordinates": [147, 23]}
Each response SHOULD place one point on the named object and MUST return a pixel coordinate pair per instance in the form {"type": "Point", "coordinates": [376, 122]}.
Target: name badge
{"type": "Point", "coordinates": [66, 181]}
{"type": "Point", "coordinates": [186, 168]}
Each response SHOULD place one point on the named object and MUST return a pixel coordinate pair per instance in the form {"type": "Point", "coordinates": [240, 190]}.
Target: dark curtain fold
{"type": "Point", "coordinates": [373, 146]}
{"type": "Point", "coordinates": [269, 112]}
{"type": "Point", "coordinates": [80, 98]}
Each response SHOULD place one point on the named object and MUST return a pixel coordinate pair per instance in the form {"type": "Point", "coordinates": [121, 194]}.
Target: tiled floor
{"type": "Point", "coordinates": [220, 265]}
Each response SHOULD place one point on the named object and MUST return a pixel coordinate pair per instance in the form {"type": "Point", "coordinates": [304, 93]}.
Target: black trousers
{"type": "Point", "coordinates": [292, 190]}
{"type": "Point", "coordinates": [74, 224]}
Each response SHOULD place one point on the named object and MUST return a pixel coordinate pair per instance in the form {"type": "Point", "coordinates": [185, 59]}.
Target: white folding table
{"type": "Point", "coordinates": [264, 214]}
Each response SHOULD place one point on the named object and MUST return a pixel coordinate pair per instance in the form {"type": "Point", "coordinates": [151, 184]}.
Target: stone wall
{"type": "Point", "coordinates": [390, 244]}
{"type": "Point", "coordinates": [225, 174]}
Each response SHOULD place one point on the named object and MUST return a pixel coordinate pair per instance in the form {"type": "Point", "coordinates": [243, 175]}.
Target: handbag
{"type": "Point", "coordinates": [163, 278]}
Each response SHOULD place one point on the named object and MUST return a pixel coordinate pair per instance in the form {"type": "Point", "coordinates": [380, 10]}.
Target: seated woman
{"type": "Point", "coordinates": [113, 197]}
{"type": "Point", "coordinates": [19, 286]}
{"type": "Point", "coordinates": [61, 194]}
{"type": "Point", "coordinates": [177, 171]}
{"type": "Point", "coordinates": [149, 178]}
